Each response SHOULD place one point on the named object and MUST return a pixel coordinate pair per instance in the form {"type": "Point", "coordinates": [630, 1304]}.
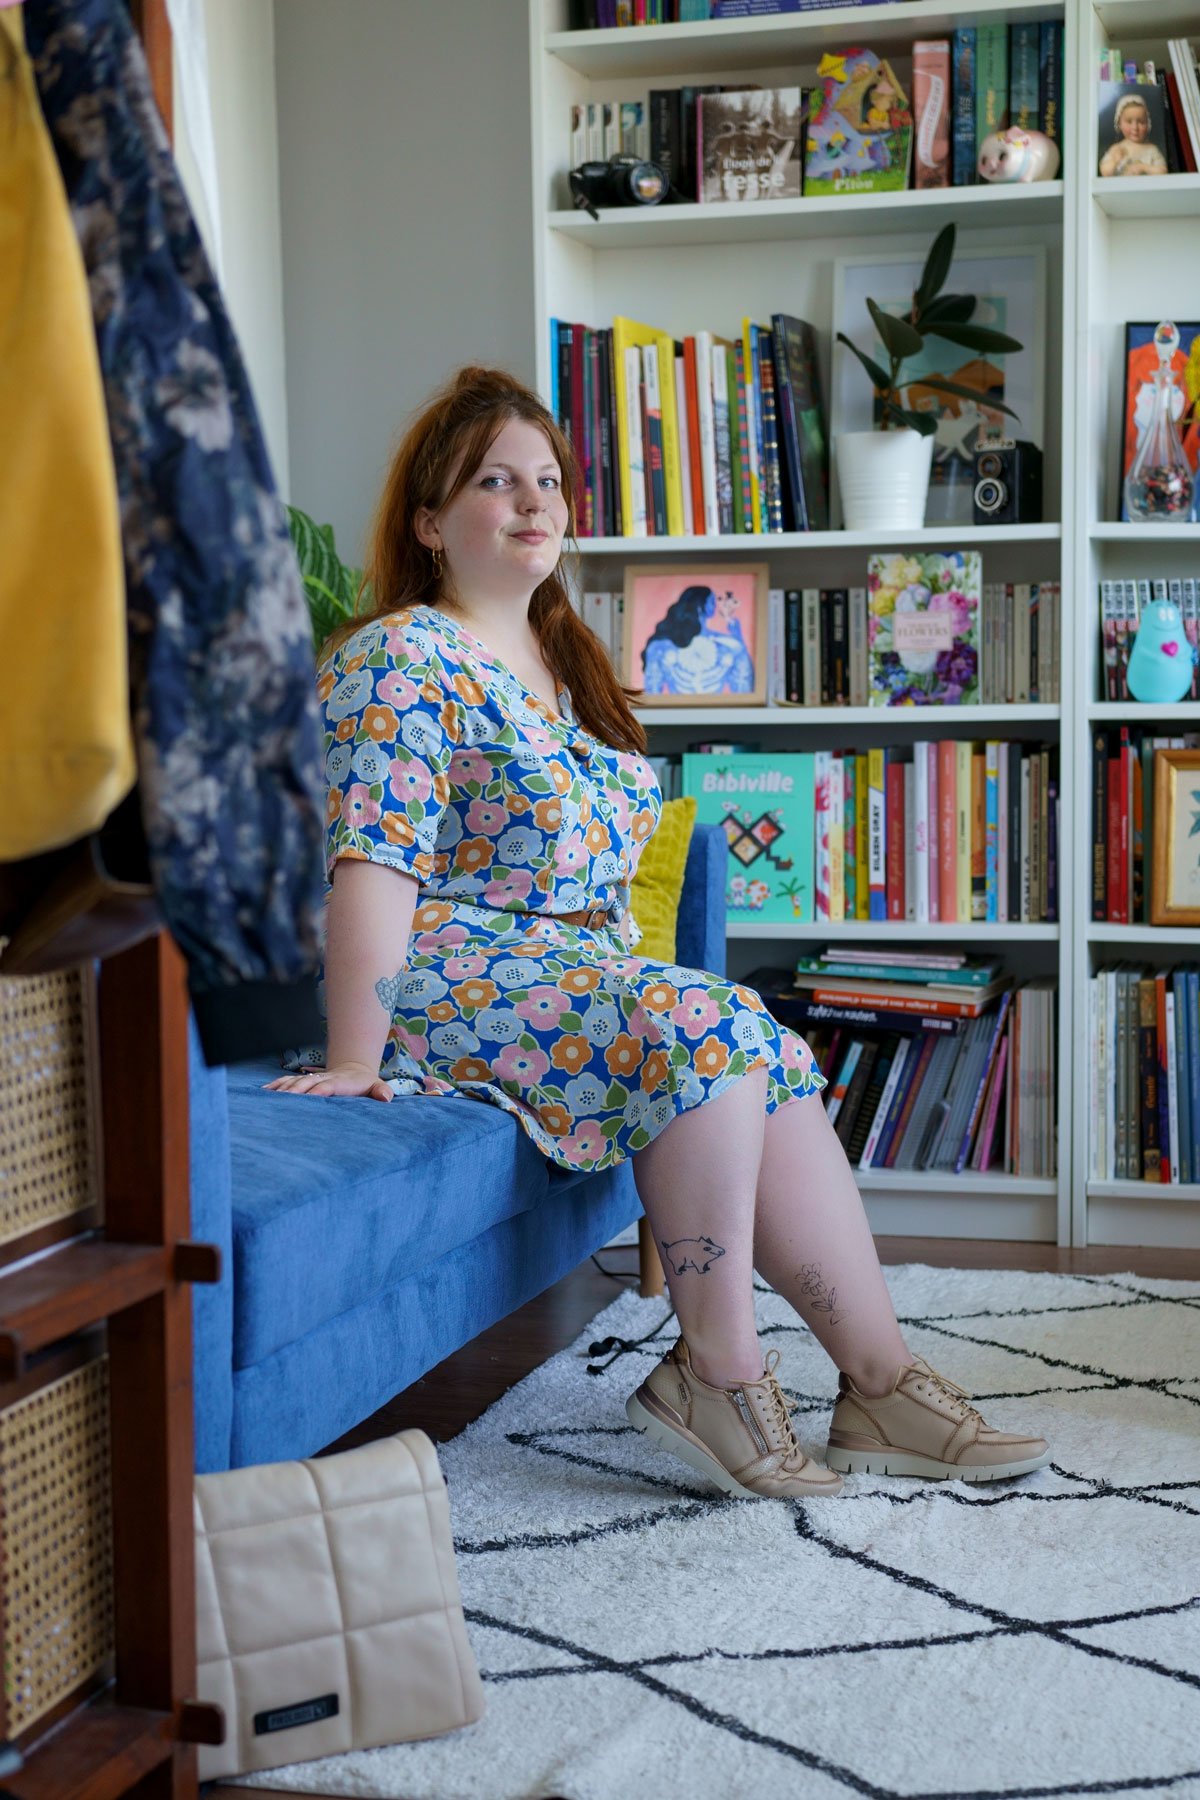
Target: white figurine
{"type": "Point", "coordinates": [1018, 155]}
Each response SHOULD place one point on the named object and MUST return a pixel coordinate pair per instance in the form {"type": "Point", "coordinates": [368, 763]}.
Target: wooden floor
{"type": "Point", "coordinates": [446, 1400]}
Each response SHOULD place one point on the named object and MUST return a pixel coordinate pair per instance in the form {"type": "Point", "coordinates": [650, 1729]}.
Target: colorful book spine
{"type": "Point", "coordinates": [633, 456]}
{"type": "Point", "coordinates": [745, 492]}
{"type": "Point", "coordinates": [837, 839]}
{"type": "Point", "coordinates": [894, 815]}
{"type": "Point", "coordinates": [978, 835]}
{"type": "Point", "coordinates": [754, 398]}
{"type": "Point", "coordinates": [822, 761]}
{"type": "Point", "coordinates": [947, 828]}
{"type": "Point", "coordinates": [708, 439]}
{"type": "Point", "coordinates": [721, 436]}
{"type": "Point", "coordinates": [904, 1049]}
{"type": "Point", "coordinates": [1050, 79]}
{"type": "Point", "coordinates": [1185, 1025]}
{"type": "Point", "coordinates": [934, 852]}
{"type": "Point", "coordinates": [982, 1159]}
{"type": "Point", "coordinates": [991, 81]}
{"type": "Point", "coordinates": [696, 471]}
{"type": "Point", "coordinates": [1024, 81]}
{"type": "Point", "coordinates": [962, 825]}
{"type": "Point", "coordinates": [991, 775]}
{"type": "Point", "coordinates": [862, 832]}
{"type": "Point", "coordinates": [962, 149]}
{"type": "Point", "coordinates": [772, 470]}
{"type": "Point", "coordinates": [931, 113]}
{"type": "Point", "coordinates": [656, 480]}
{"type": "Point", "coordinates": [876, 838]}
{"type": "Point", "coordinates": [735, 442]}
{"type": "Point", "coordinates": [920, 830]}
{"type": "Point", "coordinates": [850, 831]}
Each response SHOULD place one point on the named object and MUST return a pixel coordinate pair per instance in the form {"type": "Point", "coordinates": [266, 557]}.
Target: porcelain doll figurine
{"type": "Point", "coordinates": [1160, 663]}
{"type": "Point", "coordinates": [1018, 155]}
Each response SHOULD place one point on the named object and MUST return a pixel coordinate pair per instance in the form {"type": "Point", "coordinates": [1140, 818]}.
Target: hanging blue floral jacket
{"type": "Point", "coordinates": [222, 682]}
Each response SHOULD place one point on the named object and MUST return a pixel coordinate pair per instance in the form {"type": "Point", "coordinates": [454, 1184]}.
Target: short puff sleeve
{"type": "Point", "coordinates": [392, 721]}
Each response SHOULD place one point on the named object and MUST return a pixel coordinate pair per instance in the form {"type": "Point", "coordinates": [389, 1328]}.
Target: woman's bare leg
{"type": "Point", "coordinates": [698, 1182]}
{"type": "Point", "coordinates": [813, 1244]}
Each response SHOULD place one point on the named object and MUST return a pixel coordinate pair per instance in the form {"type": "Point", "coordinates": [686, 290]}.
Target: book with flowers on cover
{"type": "Point", "coordinates": [923, 629]}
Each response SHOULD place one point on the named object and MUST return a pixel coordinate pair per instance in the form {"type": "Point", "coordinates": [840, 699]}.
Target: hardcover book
{"type": "Point", "coordinates": [748, 145]}
{"type": "Point", "coordinates": [764, 804]}
{"type": "Point", "coordinates": [805, 455]}
{"type": "Point", "coordinates": [860, 135]}
{"type": "Point", "coordinates": [923, 630]}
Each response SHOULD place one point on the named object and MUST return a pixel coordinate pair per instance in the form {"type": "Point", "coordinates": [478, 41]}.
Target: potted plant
{"type": "Point", "coordinates": [330, 585]}
{"type": "Point", "coordinates": [883, 475]}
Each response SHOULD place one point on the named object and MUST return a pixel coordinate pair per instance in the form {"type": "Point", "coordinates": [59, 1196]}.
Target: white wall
{"type": "Point", "coordinates": [404, 146]}
{"type": "Point", "coordinates": [241, 68]}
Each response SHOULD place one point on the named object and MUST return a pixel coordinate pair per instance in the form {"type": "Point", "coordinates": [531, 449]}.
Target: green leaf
{"type": "Point", "coordinates": [925, 423]}
{"type": "Point", "coordinates": [616, 1095]}
{"type": "Point", "coordinates": [898, 337]}
{"type": "Point", "coordinates": [570, 1021]}
{"type": "Point", "coordinates": [937, 267]}
{"type": "Point", "coordinates": [879, 377]}
{"type": "Point", "coordinates": [942, 386]}
{"type": "Point", "coordinates": [956, 308]}
{"type": "Point", "coordinates": [975, 337]}
{"type": "Point", "coordinates": [330, 588]}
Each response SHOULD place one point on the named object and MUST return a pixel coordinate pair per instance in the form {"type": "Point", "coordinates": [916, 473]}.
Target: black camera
{"type": "Point", "coordinates": [621, 181]}
{"type": "Point", "coordinates": [1008, 482]}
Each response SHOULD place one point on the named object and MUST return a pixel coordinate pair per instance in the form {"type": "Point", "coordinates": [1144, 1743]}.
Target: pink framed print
{"type": "Point", "coordinates": [697, 635]}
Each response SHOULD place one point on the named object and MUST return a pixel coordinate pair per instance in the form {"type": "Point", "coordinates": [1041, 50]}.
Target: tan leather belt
{"type": "Point", "coordinates": [592, 916]}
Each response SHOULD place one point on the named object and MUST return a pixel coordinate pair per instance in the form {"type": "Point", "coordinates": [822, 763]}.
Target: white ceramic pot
{"type": "Point", "coordinates": [883, 478]}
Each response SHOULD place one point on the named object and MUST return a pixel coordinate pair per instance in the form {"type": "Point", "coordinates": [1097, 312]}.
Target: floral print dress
{"type": "Point", "coordinates": [441, 764]}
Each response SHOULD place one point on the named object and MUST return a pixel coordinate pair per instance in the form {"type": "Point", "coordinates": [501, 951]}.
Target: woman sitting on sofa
{"type": "Point", "coordinates": [489, 798]}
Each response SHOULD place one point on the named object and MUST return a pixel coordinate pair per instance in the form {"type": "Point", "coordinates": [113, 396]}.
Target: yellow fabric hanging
{"type": "Point", "coordinates": [66, 749]}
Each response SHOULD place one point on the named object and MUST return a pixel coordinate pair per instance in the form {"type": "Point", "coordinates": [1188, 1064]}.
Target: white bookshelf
{"type": "Point", "coordinates": [690, 269]}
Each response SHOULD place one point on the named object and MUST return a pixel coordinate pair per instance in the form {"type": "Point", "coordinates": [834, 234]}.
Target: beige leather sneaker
{"type": "Point", "coordinates": [741, 1438]}
{"type": "Point", "coordinates": [925, 1426]}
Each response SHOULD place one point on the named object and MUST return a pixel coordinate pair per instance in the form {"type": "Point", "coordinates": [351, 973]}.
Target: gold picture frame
{"type": "Point", "coordinates": [696, 634]}
{"type": "Point", "coordinates": [1175, 871]}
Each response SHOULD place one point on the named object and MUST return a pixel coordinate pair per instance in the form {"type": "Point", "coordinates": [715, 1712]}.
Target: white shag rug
{"type": "Point", "coordinates": [639, 1635]}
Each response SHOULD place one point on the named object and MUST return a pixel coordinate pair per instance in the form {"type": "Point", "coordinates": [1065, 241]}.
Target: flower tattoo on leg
{"type": "Point", "coordinates": [820, 1297]}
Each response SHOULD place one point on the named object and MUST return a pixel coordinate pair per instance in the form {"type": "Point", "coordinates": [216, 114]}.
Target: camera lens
{"type": "Point", "coordinates": [988, 463]}
{"type": "Point", "coordinates": [639, 184]}
{"type": "Point", "coordinates": [990, 494]}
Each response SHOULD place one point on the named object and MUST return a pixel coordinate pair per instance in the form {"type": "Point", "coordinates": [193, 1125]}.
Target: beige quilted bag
{"type": "Point", "coordinates": [328, 1614]}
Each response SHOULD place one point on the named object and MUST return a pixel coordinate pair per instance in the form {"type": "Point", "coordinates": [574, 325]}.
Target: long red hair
{"type": "Point", "coordinates": [458, 426]}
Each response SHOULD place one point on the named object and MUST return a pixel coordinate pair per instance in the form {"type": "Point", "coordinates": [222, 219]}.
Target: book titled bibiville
{"type": "Point", "coordinates": [764, 804]}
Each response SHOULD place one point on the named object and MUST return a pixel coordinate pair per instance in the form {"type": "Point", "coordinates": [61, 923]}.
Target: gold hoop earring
{"type": "Point", "coordinates": [437, 562]}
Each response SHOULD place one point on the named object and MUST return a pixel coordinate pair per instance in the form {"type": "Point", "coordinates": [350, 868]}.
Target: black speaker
{"type": "Point", "coordinates": [1008, 483]}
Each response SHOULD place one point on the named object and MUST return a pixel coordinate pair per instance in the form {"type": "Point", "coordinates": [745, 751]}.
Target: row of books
{"type": "Point", "coordinates": [1121, 604]}
{"type": "Point", "coordinates": [1123, 819]}
{"type": "Point", "coordinates": [694, 437]}
{"type": "Point", "coordinates": [980, 81]}
{"type": "Point", "coordinates": [1144, 1095]}
{"type": "Point", "coordinates": [923, 1089]}
{"type": "Point", "coordinates": [1161, 135]}
{"type": "Point", "coordinates": [935, 832]}
{"type": "Point", "coordinates": [600, 15]}
{"type": "Point", "coordinates": [819, 650]}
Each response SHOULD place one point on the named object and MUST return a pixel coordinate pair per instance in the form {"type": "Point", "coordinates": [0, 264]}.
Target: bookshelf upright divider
{"type": "Point", "coordinates": [704, 267]}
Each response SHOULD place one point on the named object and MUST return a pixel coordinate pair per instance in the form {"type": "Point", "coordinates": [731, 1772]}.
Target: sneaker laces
{"type": "Point", "coordinates": [957, 1396]}
{"type": "Point", "coordinates": [780, 1411]}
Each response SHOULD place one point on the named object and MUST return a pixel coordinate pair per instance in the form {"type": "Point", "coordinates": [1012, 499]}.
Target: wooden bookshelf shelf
{"type": "Point", "coordinates": [1153, 197]}
{"type": "Point", "coordinates": [99, 1753]}
{"type": "Point", "coordinates": [927, 537]}
{"type": "Point", "coordinates": [730, 44]}
{"type": "Point", "coordinates": [914, 718]}
{"type": "Point", "coordinates": [821, 216]}
{"type": "Point", "coordinates": [899, 930]}
{"type": "Point", "coordinates": [64, 1290]}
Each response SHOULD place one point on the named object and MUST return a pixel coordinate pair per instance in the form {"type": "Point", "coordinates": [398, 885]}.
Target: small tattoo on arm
{"type": "Point", "coordinates": [388, 990]}
{"type": "Point", "coordinates": [692, 1253]}
{"type": "Point", "coordinates": [820, 1297]}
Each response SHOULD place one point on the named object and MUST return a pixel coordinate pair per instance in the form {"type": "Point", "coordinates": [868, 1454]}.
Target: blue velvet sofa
{"type": "Point", "coordinates": [362, 1243]}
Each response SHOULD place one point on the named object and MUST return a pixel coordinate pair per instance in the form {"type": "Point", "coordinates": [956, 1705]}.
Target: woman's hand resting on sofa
{"type": "Point", "coordinates": [344, 1078]}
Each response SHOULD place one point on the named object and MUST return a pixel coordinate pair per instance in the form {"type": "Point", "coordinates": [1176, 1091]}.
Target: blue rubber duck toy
{"type": "Point", "coordinates": [1161, 661]}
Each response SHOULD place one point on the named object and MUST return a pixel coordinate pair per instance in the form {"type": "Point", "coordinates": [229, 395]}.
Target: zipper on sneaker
{"type": "Point", "coordinates": [752, 1425]}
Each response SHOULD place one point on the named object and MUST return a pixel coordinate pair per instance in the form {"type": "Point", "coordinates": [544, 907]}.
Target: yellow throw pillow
{"type": "Point", "coordinates": [654, 893]}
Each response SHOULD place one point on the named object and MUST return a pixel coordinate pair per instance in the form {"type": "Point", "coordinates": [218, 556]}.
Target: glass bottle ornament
{"type": "Point", "coordinates": [1160, 484]}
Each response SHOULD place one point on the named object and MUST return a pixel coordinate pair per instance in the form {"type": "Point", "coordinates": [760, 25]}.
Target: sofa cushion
{"type": "Point", "coordinates": [335, 1199]}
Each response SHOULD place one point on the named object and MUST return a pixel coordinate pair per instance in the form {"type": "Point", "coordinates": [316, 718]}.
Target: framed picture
{"type": "Point", "coordinates": [1010, 292]}
{"type": "Point", "coordinates": [1175, 873]}
{"type": "Point", "coordinates": [696, 635]}
{"type": "Point", "coordinates": [1133, 129]}
{"type": "Point", "coordinates": [1141, 361]}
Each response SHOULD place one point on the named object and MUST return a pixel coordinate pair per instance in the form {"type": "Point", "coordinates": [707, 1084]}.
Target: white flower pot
{"type": "Point", "coordinates": [883, 478]}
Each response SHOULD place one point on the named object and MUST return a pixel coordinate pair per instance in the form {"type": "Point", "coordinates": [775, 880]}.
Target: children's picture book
{"type": "Point", "coordinates": [748, 144]}
{"type": "Point", "coordinates": [764, 804]}
{"type": "Point", "coordinates": [860, 131]}
{"type": "Point", "coordinates": [923, 629]}
{"type": "Point", "coordinates": [1141, 363]}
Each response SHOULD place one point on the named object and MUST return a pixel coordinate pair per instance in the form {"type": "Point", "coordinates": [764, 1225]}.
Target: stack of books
{"type": "Point", "coordinates": [1144, 1057]}
{"type": "Point", "coordinates": [1121, 604]}
{"type": "Point", "coordinates": [1168, 142]}
{"type": "Point", "coordinates": [696, 437]}
{"type": "Point", "coordinates": [1123, 819]}
{"type": "Point", "coordinates": [933, 1060]}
